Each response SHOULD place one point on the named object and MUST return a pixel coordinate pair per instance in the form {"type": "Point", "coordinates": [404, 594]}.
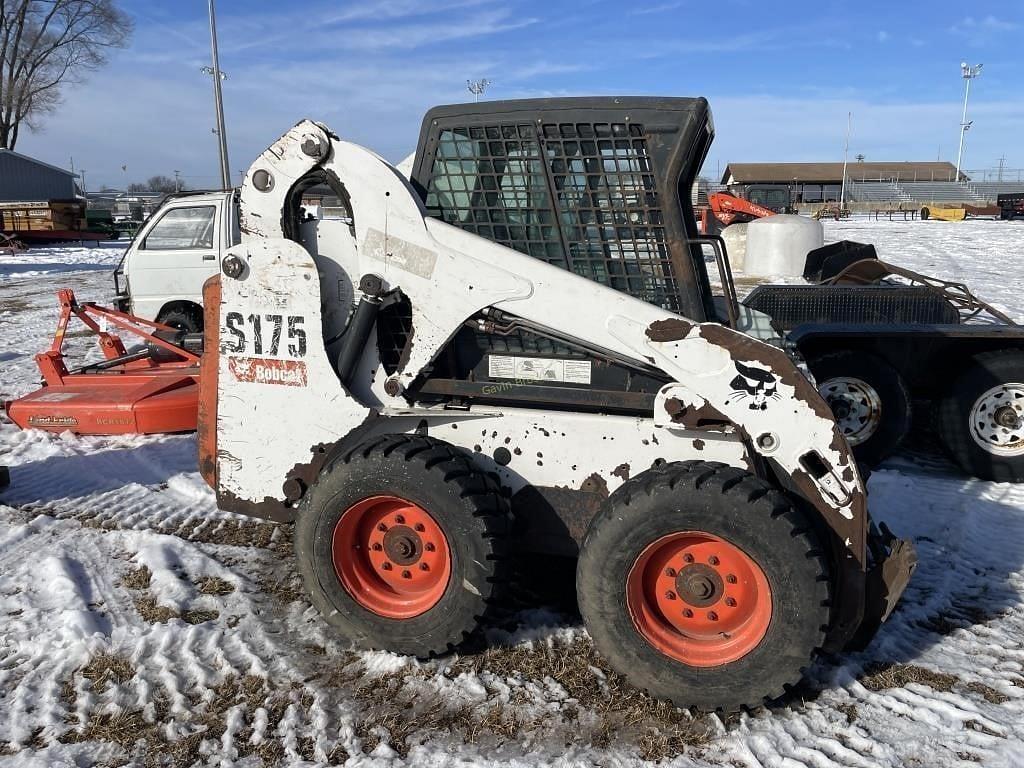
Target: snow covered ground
{"type": "Point", "coordinates": [139, 624]}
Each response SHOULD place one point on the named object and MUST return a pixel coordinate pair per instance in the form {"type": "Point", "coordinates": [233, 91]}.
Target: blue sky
{"type": "Point", "coordinates": [781, 76]}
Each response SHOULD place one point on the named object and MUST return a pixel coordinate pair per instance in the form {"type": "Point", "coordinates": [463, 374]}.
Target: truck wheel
{"type": "Point", "coordinates": [869, 400]}
{"type": "Point", "coordinates": [188, 319]}
{"type": "Point", "coordinates": [703, 585]}
{"type": "Point", "coordinates": [981, 421]}
{"type": "Point", "coordinates": [401, 545]}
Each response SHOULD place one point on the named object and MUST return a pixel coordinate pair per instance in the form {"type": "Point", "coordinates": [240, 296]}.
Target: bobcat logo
{"type": "Point", "coordinates": [755, 383]}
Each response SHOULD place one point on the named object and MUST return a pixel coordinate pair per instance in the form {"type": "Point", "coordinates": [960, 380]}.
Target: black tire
{"type": "Point", "coordinates": [925, 213]}
{"type": "Point", "coordinates": [188, 319]}
{"type": "Point", "coordinates": [953, 416]}
{"type": "Point", "coordinates": [467, 505]}
{"type": "Point", "coordinates": [734, 505]}
{"type": "Point", "coordinates": [878, 392]}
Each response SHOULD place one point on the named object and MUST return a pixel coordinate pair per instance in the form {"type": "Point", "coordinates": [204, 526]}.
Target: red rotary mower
{"type": "Point", "coordinates": [150, 388]}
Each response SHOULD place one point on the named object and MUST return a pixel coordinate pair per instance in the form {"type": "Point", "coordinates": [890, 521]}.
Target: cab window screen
{"type": "Point", "coordinates": [581, 196]}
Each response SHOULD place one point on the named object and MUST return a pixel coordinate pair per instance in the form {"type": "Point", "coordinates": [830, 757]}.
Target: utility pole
{"type": "Point", "coordinates": [177, 181]}
{"type": "Point", "coordinates": [225, 173]}
{"type": "Point", "coordinates": [846, 156]}
{"type": "Point", "coordinates": [1002, 164]}
{"type": "Point", "coordinates": [968, 73]}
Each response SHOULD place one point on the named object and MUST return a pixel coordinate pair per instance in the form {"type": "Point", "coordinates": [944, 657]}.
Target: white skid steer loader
{"type": "Point", "coordinates": [428, 406]}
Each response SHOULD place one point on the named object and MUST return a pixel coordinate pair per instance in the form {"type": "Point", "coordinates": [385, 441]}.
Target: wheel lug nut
{"type": "Point", "coordinates": [406, 574]}
{"type": "Point", "coordinates": [424, 567]}
{"type": "Point", "coordinates": [688, 558]}
{"type": "Point", "coordinates": [731, 578]}
{"type": "Point", "coordinates": [712, 616]}
{"type": "Point", "coordinates": [399, 519]}
{"type": "Point", "coordinates": [419, 527]}
{"type": "Point", "coordinates": [382, 527]}
{"type": "Point", "coordinates": [670, 572]}
{"type": "Point", "coordinates": [730, 602]}
{"type": "Point", "coordinates": [377, 547]}
{"type": "Point", "coordinates": [386, 566]}
{"type": "Point", "coordinates": [429, 546]}
{"type": "Point", "coordinates": [670, 595]}
{"type": "Point", "coordinates": [688, 613]}
{"type": "Point", "coordinates": [713, 560]}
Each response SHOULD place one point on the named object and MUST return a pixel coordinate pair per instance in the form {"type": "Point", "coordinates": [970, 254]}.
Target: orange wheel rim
{"type": "Point", "coordinates": [391, 557]}
{"type": "Point", "coordinates": [699, 599]}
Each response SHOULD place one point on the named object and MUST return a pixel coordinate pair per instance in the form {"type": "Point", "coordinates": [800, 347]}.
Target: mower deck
{"type": "Point", "coordinates": [152, 389]}
{"type": "Point", "coordinates": [148, 403]}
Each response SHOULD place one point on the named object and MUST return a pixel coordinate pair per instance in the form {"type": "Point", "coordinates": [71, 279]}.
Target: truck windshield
{"type": "Point", "coordinates": [183, 229]}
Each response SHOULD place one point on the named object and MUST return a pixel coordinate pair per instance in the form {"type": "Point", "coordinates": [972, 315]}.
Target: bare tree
{"type": "Point", "coordinates": [45, 44]}
{"type": "Point", "coordinates": [158, 183]}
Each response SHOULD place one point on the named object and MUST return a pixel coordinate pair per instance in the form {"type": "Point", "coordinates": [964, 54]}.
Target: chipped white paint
{"type": "Point", "coordinates": [450, 275]}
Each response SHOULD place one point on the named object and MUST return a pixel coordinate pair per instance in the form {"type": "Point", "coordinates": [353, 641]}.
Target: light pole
{"type": "Point", "coordinates": [846, 156]}
{"type": "Point", "coordinates": [969, 73]}
{"type": "Point", "coordinates": [225, 173]}
{"type": "Point", "coordinates": [477, 87]}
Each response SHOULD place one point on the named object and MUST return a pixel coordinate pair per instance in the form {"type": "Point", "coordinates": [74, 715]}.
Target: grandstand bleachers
{"type": "Point", "coordinates": [923, 192]}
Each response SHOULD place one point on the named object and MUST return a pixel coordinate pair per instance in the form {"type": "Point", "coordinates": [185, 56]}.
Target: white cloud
{"type": "Point", "coordinates": [645, 10]}
{"type": "Point", "coordinates": [981, 31]}
{"type": "Point", "coordinates": [882, 36]}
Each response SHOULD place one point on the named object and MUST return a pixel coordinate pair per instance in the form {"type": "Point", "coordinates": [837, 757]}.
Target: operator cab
{"type": "Point", "coordinates": [598, 186]}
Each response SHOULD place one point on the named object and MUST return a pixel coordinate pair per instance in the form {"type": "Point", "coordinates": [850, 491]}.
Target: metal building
{"type": "Point", "coordinates": [23, 178]}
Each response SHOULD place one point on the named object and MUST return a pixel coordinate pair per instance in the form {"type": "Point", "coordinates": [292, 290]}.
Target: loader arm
{"type": "Point", "coordinates": [283, 404]}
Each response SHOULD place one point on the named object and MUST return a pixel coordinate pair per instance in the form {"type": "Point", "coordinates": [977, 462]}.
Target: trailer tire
{"type": "Point", "coordinates": [975, 420]}
{"type": "Point", "coordinates": [869, 399]}
{"type": "Point", "coordinates": [446, 524]}
{"type": "Point", "coordinates": [182, 318]}
{"type": "Point", "coordinates": [748, 562]}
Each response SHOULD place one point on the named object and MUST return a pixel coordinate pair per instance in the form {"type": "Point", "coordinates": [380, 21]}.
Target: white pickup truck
{"type": "Point", "coordinates": [162, 273]}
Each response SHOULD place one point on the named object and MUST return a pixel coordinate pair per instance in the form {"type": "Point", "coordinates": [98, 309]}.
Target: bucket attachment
{"type": "Point", "coordinates": [150, 389]}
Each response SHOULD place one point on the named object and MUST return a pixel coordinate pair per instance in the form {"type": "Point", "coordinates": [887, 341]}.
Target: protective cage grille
{"type": "Point", "coordinates": [581, 195]}
{"type": "Point", "coordinates": [793, 305]}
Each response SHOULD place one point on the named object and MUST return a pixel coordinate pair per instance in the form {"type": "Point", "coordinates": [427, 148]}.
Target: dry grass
{"type": "Point", "coordinates": [244, 533]}
{"type": "Point", "coordinates": [882, 676]}
{"type": "Point", "coordinates": [106, 667]}
{"type": "Point", "coordinates": [199, 615]}
{"type": "Point", "coordinates": [850, 711]}
{"type": "Point", "coordinates": [600, 708]}
{"type": "Point", "coordinates": [14, 305]}
{"type": "Point", "coordinates": [153, 612]}
{"type": "Point", "coordinates": [287, 589]}
{"type": "Point", "coordinates": [150, 610]}
{"type": "Point", "coordinates": [987, 692]}
{"type": "Point", "coordinates": [138, 578]}
{"type": "Point", "coordinates": [208, 723]}
{"type": "Point", "coordinates": [214, 585]}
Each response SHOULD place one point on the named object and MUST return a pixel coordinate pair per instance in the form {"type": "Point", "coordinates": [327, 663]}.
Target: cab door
{"type": "Point", "coordinates": [175, 256]}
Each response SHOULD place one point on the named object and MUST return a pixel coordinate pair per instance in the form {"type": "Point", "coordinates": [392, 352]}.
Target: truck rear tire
{"type": "Point", "coordinates": [869, 400]}
{"type": "Point", "coordinates": [703, 585]}
{"type": "Point", "coordinates": [188, 319]}
{"type": "Point", "coordinates": [981, 420]}
{"type": "Point", "coordinates": [401, 545]}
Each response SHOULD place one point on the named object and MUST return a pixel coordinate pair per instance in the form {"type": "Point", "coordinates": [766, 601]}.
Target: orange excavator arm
{"type": "Point", "coordinates": [728, 208]}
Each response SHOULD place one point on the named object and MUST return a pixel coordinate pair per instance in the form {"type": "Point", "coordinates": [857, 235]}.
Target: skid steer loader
{"type": "Point", "coordinates": [428, 406]}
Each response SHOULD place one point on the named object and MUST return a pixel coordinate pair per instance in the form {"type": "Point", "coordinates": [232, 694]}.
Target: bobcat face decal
{"type": "Point", "coordinates": [756, 384]}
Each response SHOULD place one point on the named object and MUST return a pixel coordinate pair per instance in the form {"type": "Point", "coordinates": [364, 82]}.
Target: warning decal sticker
{"type": "Point", "coordinates": [538, 369]}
